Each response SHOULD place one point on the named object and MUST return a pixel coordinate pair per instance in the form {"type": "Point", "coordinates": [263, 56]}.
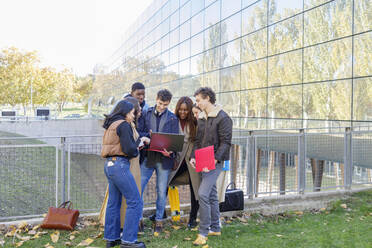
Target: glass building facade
{"type": "Point", "coordinates": [272, 63]}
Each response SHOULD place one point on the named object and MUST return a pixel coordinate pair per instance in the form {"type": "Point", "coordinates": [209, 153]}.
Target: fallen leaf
{"type": "Point", "coordinates": [48, 246]}
{"type": "Point", "coordinates": [299, 212]}
{"type": "Point", "coordinates": [25, 238]}
{"type": "Point", "coordinates": [343, 205]}
{"type": "Point", "coordinates": [278, 235]}
{"type": "Point", "coordinates": [19, 243]}
{"type": "Point", "coordinates": [22, 225]}
{"type": "Point", "coordinates": [370, 214]}
{"type": "Point", "coordinates": [205, 246]}
{"type": "Point", "coordinates": [156, 234]}
{"type": "Point", "coordinates": [228, 221]}
{"type": "Point", "coordinates": [241, 219]}
{"type": "Point", "coordinates": [32, 232]}
{"type": "Point", "coordinates": [55, 236]}
{"type": "Point", "coordinates": [72, 237]}
{"type": "Point", "coordinates": [322, 209]}
{"type": "Point", "coordinates": [68, 244]}
{"type": "Point", "coordinates": [175, 246]}
{"type": "Point", "coordinates": [167, 232]}
{"type": "Point", "coordinates": [99, 235]}
{"type": "Point", "coordinates": [176, 227]}
{"type": "Point", "coordinates": [11, 233]}
{"type": "Point", "coordinates": [44, 215]}
{"type": "Point", "coordinates": [74, 232]}
{"type": "Point", "coordinates": [237, 231]}
{"type": "Point", "coordinates": [86, 242]}
{"type": "Point", "coordinates": [194, 229]}
{"type": "Point", "coordinates": [187, 239]}
{"type": "Point", "coordinates": [2, 242]}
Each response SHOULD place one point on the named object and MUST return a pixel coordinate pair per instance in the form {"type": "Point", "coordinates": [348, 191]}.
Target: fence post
{"type": "Point", "coordinates": [301, 163]}
{"type": "Point", "coordinates": [348, 159]}
{"type": "Point", "coordinates": [63, 168]}
{"type": "Point", "coordinates": [251, 164]}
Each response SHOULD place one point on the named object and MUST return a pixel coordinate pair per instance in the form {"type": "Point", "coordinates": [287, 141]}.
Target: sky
{"type": "Point", "coordinates": [76, 34]}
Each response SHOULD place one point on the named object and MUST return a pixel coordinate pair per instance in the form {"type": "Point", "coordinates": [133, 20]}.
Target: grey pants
{"type": "Point", "coordinates": [208, 202]}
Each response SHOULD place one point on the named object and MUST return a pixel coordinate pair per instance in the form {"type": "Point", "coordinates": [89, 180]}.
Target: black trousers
{"type": "Point", "coordinates": [194, 203]}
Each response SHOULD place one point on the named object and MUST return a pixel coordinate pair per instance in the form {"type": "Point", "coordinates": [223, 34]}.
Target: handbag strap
{"type": "Point", "coordinates": [66, 203]}
{"type": "Point", "coordinates": [232, 183]}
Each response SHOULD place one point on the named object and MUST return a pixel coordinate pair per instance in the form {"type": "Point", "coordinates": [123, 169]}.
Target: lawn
{"type": "Point", "coordinates": [346, 223]}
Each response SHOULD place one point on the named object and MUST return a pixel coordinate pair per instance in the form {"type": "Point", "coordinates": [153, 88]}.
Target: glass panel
{"type": "Point", "coordinates": [185, 12]}
{"type": "Point", "coordinates": [197, 23]}
{"type": "Point", "coordinates": [185, 31]}
{"type": "Point", "coordinates": [173, 69]}
{"type": "Point", "coordinates": [254, 74]}
{"type": "Point", "coordinates": [230, 103]}
{"type": "Point", "coordinates": [286, 35]}
{"type": "Point", "coordinates": [363, 54]}
{"type": "Point", "coordinates": [208, 2]}
{"type": "Point", "coordinates": [327, 22]}
{"type": "Point", "coordinates": [174, 5]}
{"type": "Point", "coordinates": [251, 124]}
{"type": "Point", "coordinates": [185, 50]}
{"type": "Point", "coordinates": [212, 36]}
{"type": "Point", "coordinates": [212, 80]}
{"type": "Point", "coordinates": [165, 58]}
{"type": "Point", "coordinates": [253, 103]}
{"type": "Point", "coordinates": [329, 100]}
{"type": "Point", "coordinates": [165, 10]}
{"type": "Point", "coordinates": [174, 37]}
{"type": "Point", "coordinates": [185, 68]}
{"type": "Point", "coordinates": [246, 3]}
{"type": "Point", "coordinates": [328, 61]}
{"type": "Point", "coordinates": [285, 69]}
{"type": "Point", "coordinates": [174, 55]}
{"type": "Point", "coordinates": [362, 16]}
{"type": "Point", "coordinates": [229, 7]}
{"type": "Point", "coordinates": [197, 44]}
{"type": "Point", "coordinates": [212, 14]}
{"type": "Point", "coordinates": [254, 17]}
{"type": "Point", "coordinates": [312, 3]}
{"type": "Point", "coordinates": [174, 20]}
{"type": "Point", "coordinates": [196, 6]}
{"type": "Point", "coordinates": [285, 102]}
{"type": "Point", "coordinates": [254, 46]}
{"type": "Point", "coordinates": [284, 9]}
{"type": "Point", "coordinates": [231, 28]}
{"type": "Point", "coordinates": [230, 78]}
{"type": "Point", "coordinates": [211, 59]}
{"type": "Point", "coordinates": [362, 99]}
{"type": "Point", "coordinates": [197, 64]}
{"type": "Point", "coordinates": [230, 53]}
{"type": "Point", "coordinates": [165, 43]}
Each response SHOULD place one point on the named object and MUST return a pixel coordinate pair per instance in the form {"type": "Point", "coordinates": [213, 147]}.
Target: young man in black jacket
{"type": "Point", "coordinates": [214, 129]}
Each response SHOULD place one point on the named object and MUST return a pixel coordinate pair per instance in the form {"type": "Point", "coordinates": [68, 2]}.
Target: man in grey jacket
{"type": "Point", "coordinates": [214, 129]}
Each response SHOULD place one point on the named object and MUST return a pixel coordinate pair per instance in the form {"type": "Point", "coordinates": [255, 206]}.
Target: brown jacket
{"type": "Point", "coordinates": [111, 141]}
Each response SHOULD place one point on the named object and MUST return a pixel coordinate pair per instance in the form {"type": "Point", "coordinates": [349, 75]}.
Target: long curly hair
{"type": "Point", "coordinates": [190, 119]}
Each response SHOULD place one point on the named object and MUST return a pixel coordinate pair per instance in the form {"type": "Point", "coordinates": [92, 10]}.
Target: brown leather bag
{"type": "Point", "coordinates": [61, 217]}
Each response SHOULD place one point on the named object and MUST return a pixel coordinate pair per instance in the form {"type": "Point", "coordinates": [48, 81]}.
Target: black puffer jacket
{"type": "Point", "coordinates": [216, 130]}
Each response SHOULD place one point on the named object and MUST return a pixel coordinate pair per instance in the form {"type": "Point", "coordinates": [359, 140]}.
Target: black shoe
{"type": "Point", "coordinates": [153, 217]}
{"type": "Point", "coordinates": [192, 223]}
{"type": "Point", "coordinates": [133, 245]}
{"type": "Point", "coordinates": [113, 243]}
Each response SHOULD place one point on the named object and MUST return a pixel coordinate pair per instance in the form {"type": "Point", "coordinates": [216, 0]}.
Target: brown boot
{"type": "Point", "coordinates": [158, 228]}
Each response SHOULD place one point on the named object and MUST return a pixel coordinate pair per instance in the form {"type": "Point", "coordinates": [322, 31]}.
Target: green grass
{"type": "Point", "coordinates": [334, 227]}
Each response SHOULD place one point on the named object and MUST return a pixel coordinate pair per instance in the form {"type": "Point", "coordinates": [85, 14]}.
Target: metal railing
{"type": "Point", "coordinates": [38, 172]}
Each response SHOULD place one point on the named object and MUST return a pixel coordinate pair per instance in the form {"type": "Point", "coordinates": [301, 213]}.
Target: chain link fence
{"type": "Point", "coordinates": [39, 172]}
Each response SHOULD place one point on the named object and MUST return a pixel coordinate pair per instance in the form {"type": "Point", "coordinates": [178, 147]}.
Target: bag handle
{"type": "Point", "coordinates": [232, 183]}
{"type": "Point", "coordinates": [66, 203]}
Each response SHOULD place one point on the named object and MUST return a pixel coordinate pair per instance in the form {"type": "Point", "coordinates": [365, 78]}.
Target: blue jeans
{"type": "Point", "coordinates": [161, 185]}
{"type": "Point", "coordinates": [121, 183]}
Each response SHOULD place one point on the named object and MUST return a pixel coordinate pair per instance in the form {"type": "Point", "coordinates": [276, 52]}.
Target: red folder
{"type": "Point", "coordinates": [204, 158]}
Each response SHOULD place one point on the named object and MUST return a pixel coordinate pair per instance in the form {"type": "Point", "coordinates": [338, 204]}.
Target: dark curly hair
{"type": "Point", "coordinates": [206, 91]}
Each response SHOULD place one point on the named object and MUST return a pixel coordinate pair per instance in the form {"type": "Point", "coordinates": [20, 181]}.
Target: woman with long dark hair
{"type": "Point", "coordinates": [120, 148]}
{"type": "Point", "coordinates": [183, 171]}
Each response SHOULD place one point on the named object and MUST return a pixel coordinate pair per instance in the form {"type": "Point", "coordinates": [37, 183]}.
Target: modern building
{"type": "Point", "coordinates": [273, 63]}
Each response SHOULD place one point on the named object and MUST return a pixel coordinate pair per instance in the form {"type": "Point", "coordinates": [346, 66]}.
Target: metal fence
{"type": "Point", "coordinates": [38, 172]}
